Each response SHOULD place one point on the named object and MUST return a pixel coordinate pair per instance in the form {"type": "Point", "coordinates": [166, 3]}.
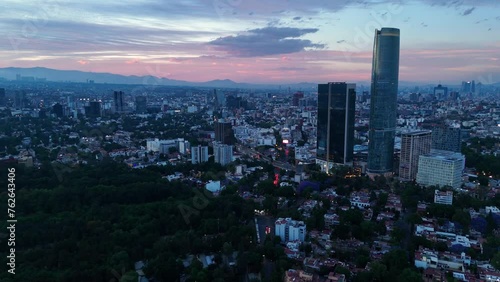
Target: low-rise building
{"type": "Point", "coordinates": [293, 275]}
{"type": "Point", "coordinates": [443, 197]}
{"type": "Point", "coordinates": [331, 219]}
{"type": "Point", "coordinates": [492, 209]}
{"type": "Point", "coordinates": [290, 230]}
{"type": "Point", "coordinates": [425, 258]}
{"type": "Point", "coordinates": [360, 200]}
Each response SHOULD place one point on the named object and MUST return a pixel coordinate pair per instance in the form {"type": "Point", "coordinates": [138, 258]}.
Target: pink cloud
{"type": "Point", "coordinates": [133, 61]}
{"type": "Point", "coordinates": [313, 66]}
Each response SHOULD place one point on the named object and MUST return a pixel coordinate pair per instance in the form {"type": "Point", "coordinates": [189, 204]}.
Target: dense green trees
{"type": "Point", "coordinates": [489, 164]}
{"type": "Point", "coordinates": [101, 219]}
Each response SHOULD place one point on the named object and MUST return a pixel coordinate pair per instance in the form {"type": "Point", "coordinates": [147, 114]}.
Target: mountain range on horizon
{"type": "Point", "coordinates": [54, 75]}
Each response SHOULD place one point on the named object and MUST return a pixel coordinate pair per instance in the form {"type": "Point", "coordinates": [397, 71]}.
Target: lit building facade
{"type": "Point", "coordinates": [442, 168]}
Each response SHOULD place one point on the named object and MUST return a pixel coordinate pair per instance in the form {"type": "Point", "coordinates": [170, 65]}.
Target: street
{"type": "Point", "coordinates": [250, 151]}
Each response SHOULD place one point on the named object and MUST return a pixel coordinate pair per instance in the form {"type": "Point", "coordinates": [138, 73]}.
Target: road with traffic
{"type": "Point", "coordinates": [252, 152]}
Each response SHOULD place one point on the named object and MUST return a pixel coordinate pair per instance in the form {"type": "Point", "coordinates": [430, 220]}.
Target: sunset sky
{"type": "Point", "coordinates": [256, 41]}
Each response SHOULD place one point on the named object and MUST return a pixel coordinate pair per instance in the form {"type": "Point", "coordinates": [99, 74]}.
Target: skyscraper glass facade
{"type": "Point", "coordinates": [383, 106]}
{"type": "Point", "coordinates": [335, 139]}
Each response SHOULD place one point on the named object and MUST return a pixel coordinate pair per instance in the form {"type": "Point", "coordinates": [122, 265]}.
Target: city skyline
{"type": "Point", "coordinates": [255, 42]}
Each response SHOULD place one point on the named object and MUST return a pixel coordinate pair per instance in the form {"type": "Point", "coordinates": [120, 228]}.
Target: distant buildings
{"type": "Point", "coordinates": [141, 104]}
{"type": "Point", "coordinates": [444, 198]}
{"type": "Point", "coordinates": [118, 101]}
{"type": "Point", "coordinates": [20, 100]}
{"type": "Point", "coordinates": [290, 230]}
{"type": "Point", "coordinates": [3, 100]}
{"type": "Point", "coordinates": [447, 138]}
{"type": "Point", "coordinates": [296, 98]}
{"type": "Point", "coordinates": [57, 109]}
{"type": "Point", "coordinates": [199, 154]}
{"type": "Point", "coordinates": [383, 102]}
{"type": "Point", "coordinates": [223, 153]}
{"type": "Point", "coordinates": [163, 146]}
{"type": "Point", "coordinates": [93, 109]}
{"type": "Point", "coordinates": [233, 102]}
{"type": "Point", "coordinates": [441, 92]}
{"type": "Point", "coordinates": [413, 144]}
{"type": "Point", "coordinates": [220, 99]}
{"type": "Point", "coordinates": [335, 124]}
{"type": "Point", "coordinates": [443, 168]}
{"type": "Point", "coordinates": [224, 132]}
{"type": "Point", "coordinates": [468, 87]}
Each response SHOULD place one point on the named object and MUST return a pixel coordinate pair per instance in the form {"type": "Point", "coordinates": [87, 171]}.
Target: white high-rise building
{"type": "Point", "coordinates": [183, 145]}
{"type": "Point", "coordinates": [163, 146]}
{"type": "Point", "coordinates": [443, 168]}
{"type": "Point", "coordinates": [290, 230]}
{"type": "Point", "coordinates": [199, 154]}
{"type": "Point", "coordinates": [223, 154]}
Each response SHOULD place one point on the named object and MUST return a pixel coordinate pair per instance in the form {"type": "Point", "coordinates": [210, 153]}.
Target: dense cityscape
{"type": "Point", "coordinates": [125, 178]}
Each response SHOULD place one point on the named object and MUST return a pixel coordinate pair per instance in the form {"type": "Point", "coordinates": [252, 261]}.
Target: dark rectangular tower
{"type": "Point", "coordinates": [447, 138]}
{"type": "Point", "coordinates": [3, 99]}
{"type": "Point", "coordinates": [335, 140]}
{"type": "Point", "coordinates": [224, 133]}
{"type": "Point", "coordinates": [118, 100]}
{"type": "Point", "coordinates": [141, 104]}
{"type": "Point", "coordinates": [383, 103]}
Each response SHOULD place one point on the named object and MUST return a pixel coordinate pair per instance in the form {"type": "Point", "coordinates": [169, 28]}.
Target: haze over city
{"type": "Point", "coordinates": [254, 41]}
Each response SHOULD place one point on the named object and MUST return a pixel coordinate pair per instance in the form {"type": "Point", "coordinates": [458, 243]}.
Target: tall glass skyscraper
{"type": "Point", "coordinates": [383, 107]}
{"type": "Point", "coordinates": [335, 131]}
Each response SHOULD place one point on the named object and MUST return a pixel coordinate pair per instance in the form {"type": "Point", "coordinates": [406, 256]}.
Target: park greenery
{"type": "Point", "coordinates": [101, 219]}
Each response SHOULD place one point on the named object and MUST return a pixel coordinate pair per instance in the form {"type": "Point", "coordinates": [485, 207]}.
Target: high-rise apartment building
{"type": "Point", "coordinates": [413, 144]}
{"type": "Point", "coordinates": [441, 168]}
{"type": "Point", "coordinates": [223, 153]}
{"type": "Point", "coordinates": [199, 154]}
{"type": "Point", "coordinates": [447, 138]}
{"type": "Point", "coordinates": [383, 102]}
{"type": "Point", "coordinates": [335, 124]}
